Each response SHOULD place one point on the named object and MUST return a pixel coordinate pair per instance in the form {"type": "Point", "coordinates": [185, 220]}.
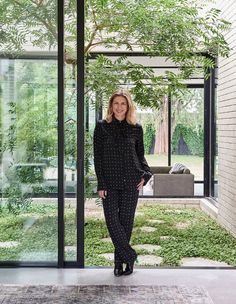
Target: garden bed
{"type": "Point", "coordinates": [177, 232]}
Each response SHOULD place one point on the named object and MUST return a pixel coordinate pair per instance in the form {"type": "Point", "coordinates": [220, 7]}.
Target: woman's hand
{"type": "Point", "coordinates": [140, 185]}
{"type": "Point", "coordinates": [102, 193]}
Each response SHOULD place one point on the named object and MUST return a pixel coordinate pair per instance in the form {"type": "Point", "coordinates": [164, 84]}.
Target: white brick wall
{"type": "Point", "coordinates": [226, 94]}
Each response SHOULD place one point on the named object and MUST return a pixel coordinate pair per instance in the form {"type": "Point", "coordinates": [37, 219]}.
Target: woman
{"type": "Point", "coordinates": [122, 171]}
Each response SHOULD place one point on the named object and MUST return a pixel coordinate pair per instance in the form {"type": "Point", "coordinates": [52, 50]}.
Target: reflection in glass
{"type": "Point", "coordinates": [28, 213]}
{"type": "Point", "coordinates": [155, 129]}
{"type": "Point", "coordinates": [70, 171]}
{"type": "Point", "coordinates": [187, 133]}
{"type": "Point", "coordinates": [214, 178]}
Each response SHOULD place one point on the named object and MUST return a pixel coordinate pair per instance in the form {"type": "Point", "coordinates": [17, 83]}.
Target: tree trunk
{"type": "Point", "coordinates": [161, 142]}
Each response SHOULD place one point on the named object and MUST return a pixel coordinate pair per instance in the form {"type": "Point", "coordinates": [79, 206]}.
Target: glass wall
{"type": "Point", "coordinates": [214, 169]}
{"type": "Point", "coordinates": [94, 219]}
{"type": "Point", "coordinates": [187, 133]}
{"type": "Point", "coordinates": [29, 132]}
{"type": "Point", "coordinates": [155, 135]}
{"type": "Point", "coordinates": [28, 180]}
{"type": "Point", "coordinates": [29, 124]}
{"type": "Point", "coordinates": [70, 170]}
{"type": "Point", "coordinates": [155, 132]}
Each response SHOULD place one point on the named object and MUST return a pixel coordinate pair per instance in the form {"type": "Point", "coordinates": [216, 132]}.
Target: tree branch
{"type": "Point", "coordinates": [48, 25]}
{"type": "Point", "coordinates": [90, 41]}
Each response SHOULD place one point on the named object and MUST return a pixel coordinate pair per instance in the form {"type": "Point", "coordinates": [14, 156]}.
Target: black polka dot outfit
{"type": "Point", "coordinates": [119, 165]}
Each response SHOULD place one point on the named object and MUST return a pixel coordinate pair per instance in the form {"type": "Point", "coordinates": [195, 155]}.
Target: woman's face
{"type": "Point", "coordinates": [119, 107]}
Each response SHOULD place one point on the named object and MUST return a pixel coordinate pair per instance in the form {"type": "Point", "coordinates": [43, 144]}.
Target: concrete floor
{"type": "Point", "coordinates": [220, 283]}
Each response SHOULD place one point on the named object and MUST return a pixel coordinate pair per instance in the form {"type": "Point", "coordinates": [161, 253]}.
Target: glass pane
{"type": "Point", "coordinates": [70, 171]}
{"type": "Point", "coordinates": [215, 153]}
{"type": "Point", "coordinates": [155, 135]}
{"type": "Point", "coordinates": [70, 126]}
{"type": "Point", "coordinates": [28, 160]}
{"type": "Point", "coordinates": [155, 128]}
{"type": "Point", "coordinates": [28, 155]}
{"type": "Point", "coordinates": [94, 218]}
{"type": "Point", "coordinates": [187, 133]}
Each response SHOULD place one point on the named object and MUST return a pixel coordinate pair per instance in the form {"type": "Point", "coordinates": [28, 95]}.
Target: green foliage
{"type": "Point", "coordinates": [166, 28]}
{"type": "Point", "coordinates": [192, 137]}
{"type": "Point", "coordinates": [1, 127]}
{"type": "Point", "coordinates": [10, 133]}
{"type": "Point", "coordinates": [16, 200]}
{"type": "Point", "coordinates": [170, 28]}
{"type": "Point", "coordinates": [149, 135]}
{"type": "Point", "coordinates": [21, 18]}
{"type": "Point", "coordinates": [33, 114]}
{"type": "Point", "coordinates": [29, 174]}
{"type": "Point", "coordinates": [42, 190]}
{"type": "Point", "coordinates": [202, 236]}
{"type": "Point", "coordinates": [174, 29]}
{"type": "Point", "coordinates": [187, 107]}
{"type": "Point", "coordinates": [104, 75]}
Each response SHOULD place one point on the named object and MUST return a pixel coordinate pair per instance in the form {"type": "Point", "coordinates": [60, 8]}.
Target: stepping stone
{"type": "Point", "coordinates": [9, 244]}
{"type": "Point", "coordinates": [139, 213]}
{"type": "Point", "coordinates": [108, 256]}
{"type": "Point", "coordinates": [94, 214]}
{"type": "Point", "coordinates": [70, 248]}
{"type": "Point", "coordinates": [201, 262]}
{"type": "Point", "coordinates": [108, 239]}
{"type": "Point", "coordinates": [182, 225]}
{"type": "Point", "coordinates": [178, 211]}
{"type": "Point", "coordinates": [156, 221]}
{"type": "Point", "coordinates": [149, 260]}
{"type": "Point", "coordinates": [148, 247]}
{"type": "Point", "coordinates": [148, 229]}
{"type": "Point", "coordinates": [167, 237]}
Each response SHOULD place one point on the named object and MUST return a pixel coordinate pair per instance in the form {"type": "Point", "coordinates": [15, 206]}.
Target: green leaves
{"type": "Point", "coordinates": [174, 29]}
{"type": "Point", "coordinates": [203, 238]}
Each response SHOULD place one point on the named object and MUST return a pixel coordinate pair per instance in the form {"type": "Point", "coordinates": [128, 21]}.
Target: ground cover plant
{"type": "Point", "coordinates": [191, 234]}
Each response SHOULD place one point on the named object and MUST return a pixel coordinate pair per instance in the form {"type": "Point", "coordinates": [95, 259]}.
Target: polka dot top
{"type": "Point", "coordinates": [119, 155]}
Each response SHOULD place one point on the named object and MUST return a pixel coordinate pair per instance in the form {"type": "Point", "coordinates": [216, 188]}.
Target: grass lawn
{"type": "Point", "coordinates": [203, 237]}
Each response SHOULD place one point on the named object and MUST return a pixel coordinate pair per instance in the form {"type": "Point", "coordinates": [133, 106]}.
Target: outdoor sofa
{"type": "Point", "coordinates": [176, 185]}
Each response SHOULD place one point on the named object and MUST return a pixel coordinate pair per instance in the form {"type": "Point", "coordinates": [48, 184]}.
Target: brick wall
{"type": "Point", "coordinates": [226, 99]}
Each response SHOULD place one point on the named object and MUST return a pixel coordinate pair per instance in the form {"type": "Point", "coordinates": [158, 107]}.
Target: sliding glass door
{"type": "Point", "coordinates": [29, 154]}
{"type": "Point", "coordinates": [41, 156]}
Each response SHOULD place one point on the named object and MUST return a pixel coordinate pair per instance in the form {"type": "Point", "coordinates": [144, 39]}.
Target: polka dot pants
{"type": "Point", "coordinates": [119, 210]}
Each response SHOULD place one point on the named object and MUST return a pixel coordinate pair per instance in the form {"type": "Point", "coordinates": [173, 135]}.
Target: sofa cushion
{"type": "Point", "coordinates": [177, 168]}
{"type": "Point", "coordinates": [160, 169]}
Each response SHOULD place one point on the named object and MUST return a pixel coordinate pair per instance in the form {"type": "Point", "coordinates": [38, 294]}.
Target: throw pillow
{"type": "Point", "coordinates": [177, 168]}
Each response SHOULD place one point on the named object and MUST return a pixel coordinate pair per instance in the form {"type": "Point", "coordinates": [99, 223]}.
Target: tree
{"type": "Point", "coordinates": [170, 28]}
{"type": "Point", "coordinates": [181, 107]}
{"type": "Point", "coordinates": [174, 29]}
{"type": "Point", "coordinates": [161, 126]}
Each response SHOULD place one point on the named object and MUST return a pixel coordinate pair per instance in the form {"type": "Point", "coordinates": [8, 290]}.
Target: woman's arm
{"type": "Point", "coordinates": [98, 155]}
{"type": "Point", "coordinates": [140, 152]}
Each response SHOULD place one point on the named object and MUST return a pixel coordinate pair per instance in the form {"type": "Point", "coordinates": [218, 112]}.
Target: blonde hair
{"type": "Point", "coordinates": [130, 115]}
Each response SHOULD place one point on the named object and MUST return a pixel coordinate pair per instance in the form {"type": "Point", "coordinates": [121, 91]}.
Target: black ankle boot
{"type": "Point", "coordinates": [129, 268]}
{"type": "Point", "coordinates": [118, 270]}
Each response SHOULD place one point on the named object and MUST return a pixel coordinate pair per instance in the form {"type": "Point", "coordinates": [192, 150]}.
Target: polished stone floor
{"type": "Point", "coordinates": [219, 283]}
